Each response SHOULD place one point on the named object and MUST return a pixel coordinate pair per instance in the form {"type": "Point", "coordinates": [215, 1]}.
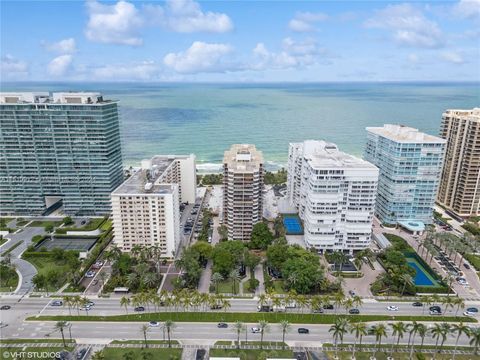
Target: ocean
{"type": "Point", "coordinates": [205, 119]}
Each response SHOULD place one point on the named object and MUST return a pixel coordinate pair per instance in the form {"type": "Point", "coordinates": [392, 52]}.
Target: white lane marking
{"type": "Point", "coordinates": [40, 313]}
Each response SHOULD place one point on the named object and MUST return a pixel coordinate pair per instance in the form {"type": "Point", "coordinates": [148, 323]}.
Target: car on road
{"type": "Point", "coordinates": [86, 307]}
{"type": "Point", "coordinates": [417, 304]}
{"type": "Point", "coordinates": [435, 308]}
{"type": "Point", "coordinates": [56, 303]}
{"type": "Point", "coordinates": [318, 311]}
{"type": "Point", "coordinates": [392, 308]}
{"type": "Point", "coordinates": [472, 310]}
{"type": "Point", "coordinates": [466, 266]}
{"type": "Point", "coordinates": [255, 330]}
{"type": "Point", "coordinates": [81, 353]}
{"type": "Point", "coordinates": [354, 311]}
{"type": "Point", "coordinates": [352, 293]}
{"type": "Point", "coordinates": [5, 307]}
{"type": "Point", "coordinates": [469, 313]}
{"type": "Point", "coordinates": [139, 308]}
{"type": "Point", "coordinates": [222, 325]}
{"type": "Point", "coordinates": [153, 324]}
{"type": "Point", "coordinates": [216, 307]}
{"type": "Point", "coordinates": [303, 331]}
{"type": "Point", "coordinates": [435, 312]}
{"type": "Point", "coordinates": [90, 274]}
{"type": "Point", "coordinates": [90, 303]}
{"type": "Point", "coordinates": [328, 307]}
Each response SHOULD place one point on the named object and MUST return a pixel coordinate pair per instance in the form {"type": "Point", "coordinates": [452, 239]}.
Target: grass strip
{"type": "Point", "coordinates": [248, 317]}
{"type": "Point", "coordinates": [11, 248]}
{"type": "Point", "coordinates": [143, 342]}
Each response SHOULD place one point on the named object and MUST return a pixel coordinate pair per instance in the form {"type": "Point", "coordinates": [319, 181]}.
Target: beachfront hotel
{"type": "Point", "coordinates": [146, 207]}
{"type": "Point", "coordinates": [243, 190]}
{"type": "Point", "coordinates": [410, 163]}
{"type": "Point", "coordinates": [58, 150]}
{"type": "Point", "coordinates": [334, 194]}
{"type": "Point", "coordinates": [460, 182]}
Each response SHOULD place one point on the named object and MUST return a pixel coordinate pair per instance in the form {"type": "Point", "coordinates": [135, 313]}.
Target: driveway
{"type": "Point", "coordinates": [259, 277]}
{"type": "Point", "coordinates": [204, 283]}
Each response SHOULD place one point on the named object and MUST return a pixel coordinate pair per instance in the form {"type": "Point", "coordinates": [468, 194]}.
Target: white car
{"type": "Point", "coordinates": [153, 324]}
{"type": "Point", "coordinates": [90, 274]}
{"type": "Point", "coordinates": [392, 308]}
{"type": "Point", "coordinates": [255, 330]}
{"type": "Point", "coordinates": [469, 313]}
{"type": "Point", "coordinates": [86, 307]}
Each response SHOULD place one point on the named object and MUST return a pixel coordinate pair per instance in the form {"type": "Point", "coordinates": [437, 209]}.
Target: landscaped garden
{"type": "Point", "coordinates": [249, 354]}
{"type": "Point", "coordinates": [8, 277]}
{"type": "Point", "coordinates": [112, 353]}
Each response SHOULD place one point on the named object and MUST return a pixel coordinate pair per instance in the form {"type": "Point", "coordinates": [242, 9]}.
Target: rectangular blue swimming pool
{"type": "Point", "coordinates": [422, 278]}
{"type": "Point", "coordinates": [292, 225]}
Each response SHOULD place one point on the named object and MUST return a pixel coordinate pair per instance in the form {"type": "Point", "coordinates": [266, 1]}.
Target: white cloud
{"type": "Point", "coordinates": [413, 58]}
{"type": "Point", "coordinates": [186, 16]}
{"type": "Point", "coordinates": [145, 70]}
{"type": "Point", "coordinates": [305, 21]}
{"type": "Point", "coordinates": [293, 54]}
{"type": "Point", "coordinates": [408, 25]}
{"type": "Point", "coordinates": [65, 46]}
{"type": "Point", "coordinates": [468, 9]}
{"type": "Point", "coordinates": [12, 68]}
{"type": "Point", "coordinates": [115, 24]}
{"type": "Point", "coordinates": [60, 65]}
{"type": "Point", "coordinates": [201, 57]}
{"type": "Point", "coordinates": [453, 57]}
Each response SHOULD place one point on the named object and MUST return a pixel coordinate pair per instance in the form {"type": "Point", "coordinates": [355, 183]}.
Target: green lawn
{"type": "Point", "coordinates": [44, 264]}
{"type": "Point", "coordinates": [8, 278]}
{"type": "Point", "coordinates": [245, 354]}
{"type": "Point", "coordinates": [143, 342]}
{"type": "Point", "coordinates": [220, 316]}
{"type": "Point", "coordinates": [43, 223]}
{"type": "Point", "coordinates": [474, 260]}
{"type": "Point", "coordinates": [160, 354]}
{"type": "Point", "coordinates": [3, 240]}
{"type": "Point", "coordinates": [278, 287]}
{"type": "Point", "coordinates": [226, 287]}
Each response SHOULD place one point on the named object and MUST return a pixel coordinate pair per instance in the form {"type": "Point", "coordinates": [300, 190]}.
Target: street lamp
{"type": "Point", "coordinates": [70, 331]}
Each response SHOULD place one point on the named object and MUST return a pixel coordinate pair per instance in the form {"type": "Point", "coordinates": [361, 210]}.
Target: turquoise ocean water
{"type": "Point", "coordinates": [206, 119]}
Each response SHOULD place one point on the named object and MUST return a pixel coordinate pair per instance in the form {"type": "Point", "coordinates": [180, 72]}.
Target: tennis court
{"type": "Point", "coordinates": [292, 224]}
{"type": "Point", "coordinates": [68, 243]}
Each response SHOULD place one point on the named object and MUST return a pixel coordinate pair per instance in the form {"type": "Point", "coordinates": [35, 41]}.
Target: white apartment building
{"type": "Point", "coordinates": [243, 190]}
{"type": "Point", "coordinates": [146, 207]}
{"type": "Point", "coordinates": [334, 194]}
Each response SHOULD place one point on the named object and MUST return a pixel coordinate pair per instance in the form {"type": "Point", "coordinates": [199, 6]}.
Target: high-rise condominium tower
{"type": "Point", "coordinates": [460, 184]}
{"type": "Point", "coordinates": [56, 149]}
{"type": "Point", "coordinates": [243, 190]}
{"type": "Point", "coordinates": [334, 193]}
{"type": "Point", "coordinates": [146, 207]}
{"type": "Point", "coordinates": [410, 164]}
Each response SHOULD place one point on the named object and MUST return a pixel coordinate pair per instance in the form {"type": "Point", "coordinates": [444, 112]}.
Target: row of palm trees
{"type": "Point", "coordinates": [185, 300]}
{"type": "Point", "coordinates": [439, 332]}
{"type": "Point", "coordinates": [76, 302]}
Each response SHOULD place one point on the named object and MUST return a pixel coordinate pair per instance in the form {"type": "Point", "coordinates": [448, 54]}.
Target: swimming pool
{"type": "Point", "coordinates": [422, 277]}
{"type": "Point", "coordinates": [292, 225]}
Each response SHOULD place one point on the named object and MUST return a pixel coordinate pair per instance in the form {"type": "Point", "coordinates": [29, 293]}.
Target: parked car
{"type": "Point", "coordinates": [255, 330]}
{"type": "Point", "coordinates": [139, 308]}
{"type": "Point", "coordinates": [90, 274]}
{"type": "Point", "coordinates": [153, 324]}
{"type": "Point", "coordinates": [354, 311]}
{"type": "Point", "coordinates": [466, 266]}
{"type": "Point", "coordinates": [81, 353]}
{"type": "Point", "coordinates": [222, 325]}
{"type": "Point", "coordinates": [417, 304]}
{"type": "Point", "coordinates": [303, 331]}
{"type": "Point", "coordinates": [56, 303]}
{"type": "Point", "coordinates": [392, 308]}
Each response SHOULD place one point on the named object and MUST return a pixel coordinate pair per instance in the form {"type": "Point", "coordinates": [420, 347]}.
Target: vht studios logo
{"type": "Point", "coordinates": [31, 354]}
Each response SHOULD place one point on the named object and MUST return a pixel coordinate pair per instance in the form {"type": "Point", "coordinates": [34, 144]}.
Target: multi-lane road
{"type": "Point", "coordinates": [16, 327]}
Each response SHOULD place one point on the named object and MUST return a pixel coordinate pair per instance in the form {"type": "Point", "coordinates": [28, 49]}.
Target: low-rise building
{"type": "Point", "coordinates": [146, 207]}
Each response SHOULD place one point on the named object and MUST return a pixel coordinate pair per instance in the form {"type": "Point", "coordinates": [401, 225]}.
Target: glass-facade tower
{"type": "Point", "coordinates": [410, 164]}
{"type": "Point", "coordinates": [58, 149]}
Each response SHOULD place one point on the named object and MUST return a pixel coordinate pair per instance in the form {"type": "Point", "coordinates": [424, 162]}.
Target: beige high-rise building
{"type": "Point", "coordinates": [460, 184]}
{"type": "Point", "coordinates": [243, 190]}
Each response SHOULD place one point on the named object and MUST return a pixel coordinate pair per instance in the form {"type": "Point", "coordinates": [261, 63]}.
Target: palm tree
{"type": "Point", "coordinates": [475, 339]}
{"type": "Point", "coordinates": [338, 300]}
{"type": "Point", "coordinates": [399, 329]}
{"type": "Point", "coordinates": [413, 330]}
{"type": "Point", "coordinates": [262, 299]}
{"type": "Point", "coordinates": [285, 325]}
{"type": "Point", "coordinates": [99, 355]}
{"type": "Point", "coordinates": [458, 302]}
{"type": "Point", "coordinates": [263, 325]}
{"type": "Point", "coordinates": [359, 329]}
{"type": "Point", "coordinates": [60, 325]}
{"type": "Point", "coordinates": [169, 326]}
{"type": "Point", "coordinates": [348, 304]}
{"type": "Point", "coordinates": [216, 278]}
{"type": "Point", "coordinates": [422, 332]}
{"type": "Point", "coordinates": [234, 277]}
{"type": "Point", "coordinates": [438, 332]}
{"type": "Point", "coordinates": [144, 330]}
{"type": "Point", "coordinates": [357, 301]}
{"type": "Point", "coordinates": [338, 329]}
{"type": "Point", "coordinates": [125, 301]}
{"type": "Point", "coordinates": [238, 326]}
{"type": "Point", "coordinates": [407, 279]}
{"type": "Point", "coordinates": [129, 355]}
{"type": "Point", "coordinates": [149, 279]}
{"type": "Point", "coordinates": [459, 329]}
{"type": "Point", "coordinates": [68, 300]}
{"type": "Point", "coordinates": [379, 331]}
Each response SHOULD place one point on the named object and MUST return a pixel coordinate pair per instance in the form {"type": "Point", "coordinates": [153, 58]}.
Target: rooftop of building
{"type": "Point", "coordinates": [243, 157]}
{"type": "Point", "coordinates": [145, 180]}
{"type": "Point", "coordinates": [404, 134]}
{"type": "Point", "coordinates": [472, 114]}
{"type": "Point", "coordinates": [74, 98]}
{"type": "Point", "coordinates": [321, 154]}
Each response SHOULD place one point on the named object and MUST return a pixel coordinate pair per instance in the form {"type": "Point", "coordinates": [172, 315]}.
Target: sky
{"type": "Point", "coordinates": [240, 41]}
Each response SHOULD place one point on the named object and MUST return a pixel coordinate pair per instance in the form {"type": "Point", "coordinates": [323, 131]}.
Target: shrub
{"type": "Point", "coordinates": [252, 284]}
